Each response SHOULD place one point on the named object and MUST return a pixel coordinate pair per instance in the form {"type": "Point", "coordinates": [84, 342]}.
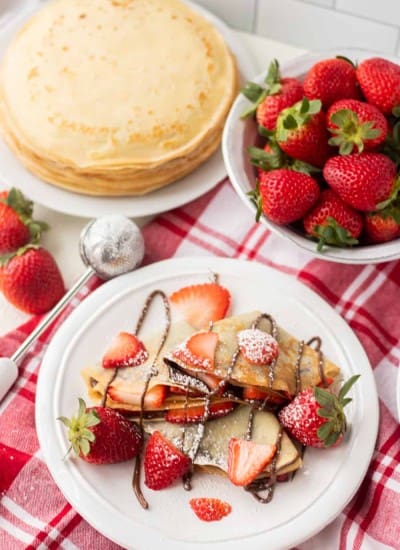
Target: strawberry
{"type": "Point", "coordinates": [247, 459]}
{"type": "Point", "coordinates": [269, 101]}
{"type": "Point", "coordinates": [16, 225]}
{"type": "Point", "coordinates": [125, 351]}
{"type": "Point", "coordinates": [301, 132]}
{"type": "Point", "coordinates": [315, 417]}
{"type": "Point", "coordinates": [380, 82]}
{"type": "Point", "coordinates": [254, 393]}
{"type": "Point", "coordinates": [198, 350]}
{"type": "Point", "coordinates": [195, 414]}
{"type": "Point", "coordinates": [154, 397]}
{"type": "Point", "coordinates": [210, 509]}
{"type": "Point", "coordinates": [333, 222]}
{"type": "Point", "coordinates": [331, 80]}
{"type": "Point", "coordinates": [257, 346]}
{"type": "Point", "coordinates": [365, 181]}
{"type": "Point", "coordinates": [356, 124]}
{"type": "Point", "coordinates": [383, 226]}
{"type": "Point", "coordinates": [176, 390]}
{"type": "Point", "coordinates": [268, 158]}
{"type": "Point", "coordinates": [163, 462]}
{"type": "Point", "coordinates": [202, 304]}
{"type": "Point", "coordinates": [284, 196]}
{"type": "Point", "coordinates": [211, 381]}
{"type": "Point", "coordinates": [100, 435]}
{"type": "Point", "coordinates": [31, 280]}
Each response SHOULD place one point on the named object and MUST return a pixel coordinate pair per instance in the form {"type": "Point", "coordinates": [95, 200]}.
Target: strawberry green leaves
{"type": "Point", "coordinates": [331, 233]}
{"type": "Point", "coordinates": [78, 429]}
{"type": "Point", "coordinates": [349, 132]}
{"type": "Point", "coordinates": [296, 117]}
{"type": "Point", "coordinates": [256, 93]}
{"type": "Point", "coordinates": [331, 408]}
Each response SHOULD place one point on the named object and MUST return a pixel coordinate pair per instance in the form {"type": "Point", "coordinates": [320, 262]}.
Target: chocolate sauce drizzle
{"type": "Point", "coordinates": [321, 360]}
{"type": "Point", "coordinates": [153, 372]}
{"type": "Point", "coordinates": [267, 484]}
{"type": "Point", "coordinates": [297, 366]}
{"type": "Point", "coordinates": [274, 334]}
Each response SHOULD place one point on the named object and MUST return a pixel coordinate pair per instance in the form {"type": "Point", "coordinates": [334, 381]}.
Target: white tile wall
{"type": "Point", "coordinates": [238, 13]}
{"type": "Point", "coordinates": [317, 24]}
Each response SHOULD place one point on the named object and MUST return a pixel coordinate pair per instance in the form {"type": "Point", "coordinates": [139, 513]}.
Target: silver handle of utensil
{"type": "Point", "coordinates": [9, 367]}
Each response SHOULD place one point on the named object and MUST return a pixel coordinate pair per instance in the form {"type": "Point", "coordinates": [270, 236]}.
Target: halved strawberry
{"type": "Point", "coordinates": [210, 509]}
{"type": "Point", "coordinates": [163, 462]}
{"type": "Point", "coordinates": [210, 380]}
{"type": "Point", "coordinates": [153, 400]}
{"type": "Point", "coordinates": [202, 304]}
{"type": "Point", "coordinates": [195, 414]}
{"type": "Point", "coordinates": [125, 351]}
{"type": "Point", "coordinates": [247, 459]}
{"type": "Point", "coordinates": [258, 347]}
{"type": "Point", "coordinates": [198, 350]}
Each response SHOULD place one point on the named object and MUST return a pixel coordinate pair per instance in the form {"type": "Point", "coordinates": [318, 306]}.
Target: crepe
{"type": "Point", "coordinates": [127, 387]}
{"type": "Point", "coordinates": [247, 374]}
{"type": "Point", "coordinates": [115, 97]}
{"type": "Point", "coordinates": [213, 451]}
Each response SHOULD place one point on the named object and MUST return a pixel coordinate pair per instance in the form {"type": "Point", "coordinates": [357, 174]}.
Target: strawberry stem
{"type": "Point", "coordinates": [331, 233]}
{"type": "Point", "coordinates": [78, 429]}
{"type": "Point", "coordinates": [350, 132]}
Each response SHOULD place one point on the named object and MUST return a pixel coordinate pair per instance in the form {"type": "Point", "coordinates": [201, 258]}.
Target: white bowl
{"type": "Point", "coordinates": [240, 134]}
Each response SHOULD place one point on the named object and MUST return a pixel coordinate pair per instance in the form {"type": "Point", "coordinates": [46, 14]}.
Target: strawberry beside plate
{"type": "Point", "coordinates": [104, 497]}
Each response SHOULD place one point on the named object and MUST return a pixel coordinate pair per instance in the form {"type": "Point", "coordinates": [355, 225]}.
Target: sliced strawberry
{"type": "Point", "coordinates": [176, 390]}
{"type": "Point", "coordinates": [198, 350]}
{"type": "Point", "coordinates": [258, 347]}
{"type": "Point", "coordinates": [210, 509]}
{"type": "Point", "coordinates": [328, 382]}
{"type": "Point", "coordinates": [246, 459]}
{"type": "Point", "coordinates": [125, 351]}
{"type": "Point", "coordinates": [153, 400]}
{"type": "Point", "coordinates": [252, 393]}
{"type": "Point", "coordinates": [202, 304]}
{"type": "Point", "coordinates": [163, 462]}
{"type": "Point", "coordinates": [210, 380]}
{"type": "Point", "coordinates": [195, 414]}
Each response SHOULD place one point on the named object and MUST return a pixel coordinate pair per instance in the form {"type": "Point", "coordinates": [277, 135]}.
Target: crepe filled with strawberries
{"type": "Point", "coordinates": [257, 364]}
{"type": "Point", "coordinates": [222, 438]}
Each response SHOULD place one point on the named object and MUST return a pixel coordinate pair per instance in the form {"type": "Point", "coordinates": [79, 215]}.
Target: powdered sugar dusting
{"type": "Point", "coordinates": [259, 347]}
{"type": "Point", "coordinates": [183, 353]}
{"type": "Point", "coordinates": [138, 359]}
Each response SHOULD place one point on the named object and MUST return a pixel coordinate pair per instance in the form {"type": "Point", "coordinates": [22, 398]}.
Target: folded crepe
{"type": "Point", "coordinates": [278, 379]}
{"type": "Point", "coordinates": [212, 453]}
{"type": "Point", "coordinates": [124, 391]}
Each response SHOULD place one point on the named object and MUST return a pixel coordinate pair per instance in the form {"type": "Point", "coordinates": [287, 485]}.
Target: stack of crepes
{"type": "Point", "coordinates": [116, 97]}
{"type": "Point", "coordinates": [177, 393]}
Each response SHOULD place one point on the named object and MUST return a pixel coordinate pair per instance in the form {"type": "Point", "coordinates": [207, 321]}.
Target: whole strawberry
{"type": "Point", "coordinates": [284, 196]}
{"type": "Point", "coordinates": [301, 132]}
{"type": "Point", "coordinates": [270, 100]}
{"type": "Point", "coordinates": [366, 181]}
{"type": "Point", "coordinates": [383, 226]}
{"type": "Point", "coordinates": [356, 125]}
{"type": "Point", "coordinates": [333, 222]}
{"type": "Point", "coordinates": [380, 82]}
{"type": "Point", "coordinates": [16, 225]}
{"type": "Point", "coordinates": [330, 80]}
{"type": "Point", "coordinates": [315, 417]}
{"type": "Point", "coordinates": [31, 280]}
{"type": "Point", "coordinates": [163, 462]}
{"type": "Point", "coordinates": [101, 435]}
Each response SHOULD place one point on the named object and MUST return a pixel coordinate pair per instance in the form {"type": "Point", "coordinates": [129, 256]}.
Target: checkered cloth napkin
{"type": "Point", "coordinates": [33, 512]}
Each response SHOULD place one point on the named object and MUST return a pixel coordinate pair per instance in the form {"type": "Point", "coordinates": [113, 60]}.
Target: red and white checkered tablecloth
{"type": "Point", "coordinates": [34, 513]}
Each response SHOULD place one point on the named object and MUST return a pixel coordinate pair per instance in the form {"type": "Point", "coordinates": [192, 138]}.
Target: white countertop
{"type": "Point", "coordinates": [62, 239]}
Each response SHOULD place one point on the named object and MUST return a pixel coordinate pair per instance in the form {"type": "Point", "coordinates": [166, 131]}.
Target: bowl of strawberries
{"type": "Point", "coordinates": [313, 149]}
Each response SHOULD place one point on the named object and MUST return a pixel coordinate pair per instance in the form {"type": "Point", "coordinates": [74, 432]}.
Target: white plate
{"type": "Point", "coordinates": [103, 495]}
{"type": "Point", "coordinates": [240, 134]}
{"type": "Point", "coordinates": [192, 186]}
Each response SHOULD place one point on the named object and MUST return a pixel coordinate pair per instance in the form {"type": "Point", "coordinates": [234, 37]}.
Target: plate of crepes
{"type": "Point", "coordinates": [116, 105]}
{"type": "Point", "coordinates": [221, 403]}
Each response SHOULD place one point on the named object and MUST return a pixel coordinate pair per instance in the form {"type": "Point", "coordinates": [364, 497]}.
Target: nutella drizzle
{"type": "Point", "coordinates": [268, 485]}
{"type": "Point", "coordinates": [153, 372]}
{"type": "Point", "coordinates": [274, 334]}
{"type": "Point", "coordinates": [321, 361]}
{"type": "Point", "coordinates": [299, 357]}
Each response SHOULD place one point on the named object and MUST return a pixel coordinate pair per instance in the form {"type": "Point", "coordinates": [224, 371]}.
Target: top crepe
{"type": "Point", "coordinates": [110, 90]}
